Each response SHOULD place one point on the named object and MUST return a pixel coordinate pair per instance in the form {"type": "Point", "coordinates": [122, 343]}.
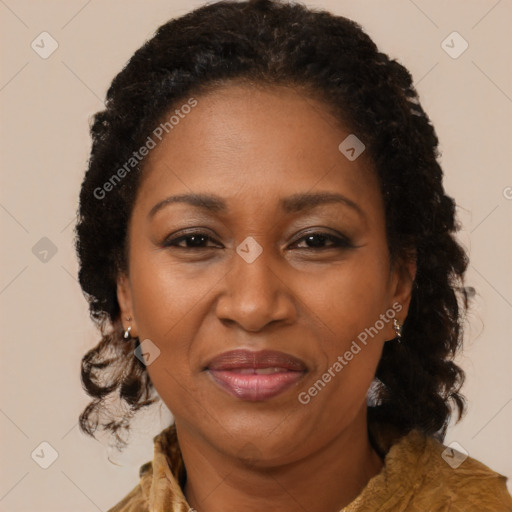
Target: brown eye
{"type": "Point", "coordinates": [190, 241]}
{"type": "Point", "coordinates": [324, 241]}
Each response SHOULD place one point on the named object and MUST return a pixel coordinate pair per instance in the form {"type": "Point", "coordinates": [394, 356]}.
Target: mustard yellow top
{"type": "Point", "coordinates": [420, 474]}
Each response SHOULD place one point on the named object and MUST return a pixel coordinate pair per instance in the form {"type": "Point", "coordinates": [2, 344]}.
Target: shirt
{"type": "Point", "coordinates": [420, 474]}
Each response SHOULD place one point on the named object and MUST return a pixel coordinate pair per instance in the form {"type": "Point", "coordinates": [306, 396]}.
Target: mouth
{"type": "Point", "coordinates": [255, 376]}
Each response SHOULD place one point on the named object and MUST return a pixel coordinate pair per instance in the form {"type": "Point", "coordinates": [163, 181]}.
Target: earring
{"type": "Point", "coordinates": [398, 329]}
{"type": "Point", "coordinates": [126, 334]}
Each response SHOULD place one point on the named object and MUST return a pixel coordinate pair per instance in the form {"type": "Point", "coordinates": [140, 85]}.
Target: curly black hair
{"type": "Point", "coordinates": [269, 42]}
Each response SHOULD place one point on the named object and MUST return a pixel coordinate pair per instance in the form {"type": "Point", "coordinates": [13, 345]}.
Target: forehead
{"type": "Point", "coordinates": [255, 142]}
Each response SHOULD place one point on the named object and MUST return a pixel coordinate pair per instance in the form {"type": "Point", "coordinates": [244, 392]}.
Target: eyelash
{"type": "Point", "coordinates": [338, 242]}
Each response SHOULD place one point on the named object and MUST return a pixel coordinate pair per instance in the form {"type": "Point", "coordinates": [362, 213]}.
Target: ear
{"type": "Point", "coordinates": [125, 300]}
{"type": "Point", "coordinates": [402, 277]}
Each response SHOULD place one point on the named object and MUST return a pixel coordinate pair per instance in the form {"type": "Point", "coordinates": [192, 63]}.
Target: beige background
{"type": "Point", "coordinates": [46, 106]}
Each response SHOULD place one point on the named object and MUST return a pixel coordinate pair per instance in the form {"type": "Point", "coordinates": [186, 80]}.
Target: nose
{"type": "Point", "coordinates": [255, 295]}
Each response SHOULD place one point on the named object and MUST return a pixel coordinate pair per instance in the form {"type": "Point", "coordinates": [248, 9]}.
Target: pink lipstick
{"type": "Point", "coordinates": [256, 376]}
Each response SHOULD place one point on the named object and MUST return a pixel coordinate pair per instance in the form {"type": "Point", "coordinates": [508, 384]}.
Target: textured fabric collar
{"type": "Point", "coordinates": [163, 478]}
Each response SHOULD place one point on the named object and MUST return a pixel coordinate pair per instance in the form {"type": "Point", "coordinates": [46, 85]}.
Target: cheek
{"type": "Point", "coordinates": [350, 347]}
{"type": "Point", "coordinates": [165, 304]}
{"type": "Point", "coordinates": [349, 296]}
{"type": "Point", "coordinates": [168, 296]}
{"type": "Point", "coordinates": [170, 302]}
{"type": "Point", "coordinates": [348, 302]}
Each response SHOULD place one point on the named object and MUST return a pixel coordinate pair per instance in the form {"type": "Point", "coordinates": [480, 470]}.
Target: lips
{"type": "Point", "coordinates": [237, 359]}
{"type": "Point", "coordinates": [255, 376]}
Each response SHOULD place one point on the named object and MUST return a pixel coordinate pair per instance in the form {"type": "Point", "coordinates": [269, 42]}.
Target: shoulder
{"type": "Point", "coordinates": [450, 479]}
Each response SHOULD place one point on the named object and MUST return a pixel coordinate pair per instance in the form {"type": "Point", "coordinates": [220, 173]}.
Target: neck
{"type": "Point", "coordinates": [327, 480]}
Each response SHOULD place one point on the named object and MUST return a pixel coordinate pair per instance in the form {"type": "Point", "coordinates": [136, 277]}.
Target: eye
{"type": "Point", "coordinates": [319, 240]}
{"type": "Point", "coordinates": [195, 240]}
{"type": "Point", "coordinates": [313, 241]}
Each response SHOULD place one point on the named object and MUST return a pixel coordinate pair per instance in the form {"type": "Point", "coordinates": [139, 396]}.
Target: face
{"type": "Point", "coordinates": [285, 252]}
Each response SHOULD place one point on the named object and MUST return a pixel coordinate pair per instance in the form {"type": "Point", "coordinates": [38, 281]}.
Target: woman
{"type": "Point", "coordinates": [265, 242]}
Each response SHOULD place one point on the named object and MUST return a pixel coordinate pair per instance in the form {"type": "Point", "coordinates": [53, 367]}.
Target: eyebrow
{"type": "Point", "coordinates": [292, 204]}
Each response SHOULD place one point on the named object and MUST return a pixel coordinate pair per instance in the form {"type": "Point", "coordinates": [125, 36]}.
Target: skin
{"type": "Point", "coordinates": [253, 147]}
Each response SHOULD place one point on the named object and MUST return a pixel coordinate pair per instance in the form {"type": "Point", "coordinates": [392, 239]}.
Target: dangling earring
{"type": "Point", "coordinates": [126, 334]}
{"type": "Point", "coordinates": [398, 330]}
